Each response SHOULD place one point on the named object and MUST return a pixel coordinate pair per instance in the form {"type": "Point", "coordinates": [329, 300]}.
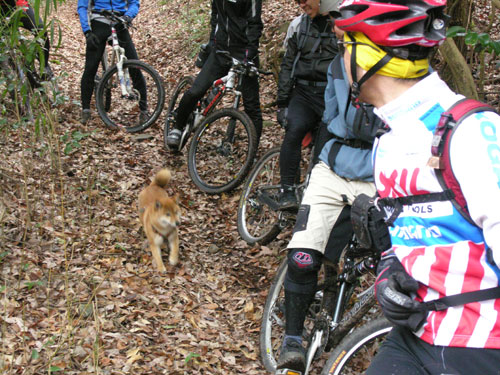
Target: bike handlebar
{"type": "Point", "coordinates": [244, 67]}
{"type": "Point", "coordinates": [113, 16]}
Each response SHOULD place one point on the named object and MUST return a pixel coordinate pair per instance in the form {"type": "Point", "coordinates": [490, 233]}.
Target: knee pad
{"type": "Point", "coordinates": [303, 267]}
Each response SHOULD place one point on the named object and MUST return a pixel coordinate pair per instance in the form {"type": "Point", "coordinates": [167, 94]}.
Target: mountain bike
{"type": "Point", "coordinates": [130, 94]}
{"type": "Point", "coordinates": [223, 144]}
{"type": "Point", "coordinates": [344, 301]}
{"type": "Point", "coordinates": [260, 219]}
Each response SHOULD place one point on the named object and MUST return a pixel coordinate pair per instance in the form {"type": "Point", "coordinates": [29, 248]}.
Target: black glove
{"type": "Point", "coordinates": [92, 40]}
{"type": "Point", "coordinates": [393, 289]}
{"type": "Point", "coordinates": [127, 20]}
{"type": "Point", "coordinates": [205, 50]}
{"type": "Point", "coordinates": [281, 116]}
{"type": "Point", "coordinates": [250, 53]}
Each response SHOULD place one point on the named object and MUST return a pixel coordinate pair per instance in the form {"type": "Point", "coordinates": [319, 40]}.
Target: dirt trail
{"type": "Point", "coordinates": [77, 284]}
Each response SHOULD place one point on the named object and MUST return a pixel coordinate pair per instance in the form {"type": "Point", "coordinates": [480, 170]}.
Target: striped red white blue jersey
{"type": "Point", "coordinates": [445, 253]}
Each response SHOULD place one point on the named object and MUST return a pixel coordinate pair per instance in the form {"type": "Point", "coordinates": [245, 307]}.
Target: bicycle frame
{"type": "Point", "coordinates": [231, 82]}
{"type": "Point", "coordinates": [119, 56]}
{"type": "Point", "coordinates": [332, 323]}
{"type": "Point", "coordinates": [225, 84]}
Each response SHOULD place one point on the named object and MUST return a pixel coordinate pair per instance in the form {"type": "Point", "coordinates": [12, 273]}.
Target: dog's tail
{"type": "Point", "coordinates": [162, 177]}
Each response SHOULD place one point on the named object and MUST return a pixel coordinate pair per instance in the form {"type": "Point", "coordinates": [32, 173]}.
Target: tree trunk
{"type": "Point", "coordinates": [463, 82]}
{"type": "Point", "coordinates": [453, 52]}
{"type": "Point", "coordinates": [461, 15]}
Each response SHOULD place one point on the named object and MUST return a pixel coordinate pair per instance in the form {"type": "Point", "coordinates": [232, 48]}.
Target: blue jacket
{"type": "Point", "coordinates": [127, 7]}
{"type": "Point", "coordinates": [349, 162]}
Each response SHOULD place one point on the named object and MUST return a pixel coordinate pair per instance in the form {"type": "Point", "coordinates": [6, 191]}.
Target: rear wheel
{"type": "Point", "coordinates": [222, 151]}
{"type": "Point", "coordinates": [136, 111]}
{"type": "Point", "coordinates": [354, 354]}
{"type": "Point", "coordinates": [257, 221]}
{"type": "Point", "coordinates": [184, 85]}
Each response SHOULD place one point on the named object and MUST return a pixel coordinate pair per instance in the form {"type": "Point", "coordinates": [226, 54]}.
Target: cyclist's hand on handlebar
{"type": "Point", "coordinates": [394, 289]}
{"type": "Point", "coordinates": [250, 54]}
{"type": "Point", "coordinates": [92, 40]}
{"type": "Point", "coordinates": [127, 20]}
{"type": "Point", "coordinates": [281, 116]}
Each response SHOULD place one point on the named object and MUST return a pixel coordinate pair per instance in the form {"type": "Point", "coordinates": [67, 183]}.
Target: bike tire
{"type": "Point", "coordinates": [216, 164]}
{"type": "Point", "coordinates": [184, 84]}
{"type": "Point", "coordinates": [269, 339]}
{"type": "Point", "coordinates": [357, 349]}
{"type": "Point", "coordinates": [357, 309]}
{"type": "Point", "coordinates": [257, 222]}
{"type": "Point", "coordinates": [272, 328]}
{"type": "Point", "coordinates": [125, 112]}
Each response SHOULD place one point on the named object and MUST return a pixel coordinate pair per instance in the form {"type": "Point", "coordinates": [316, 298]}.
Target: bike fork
{"type": "Point", "coordinates": [315, 344]}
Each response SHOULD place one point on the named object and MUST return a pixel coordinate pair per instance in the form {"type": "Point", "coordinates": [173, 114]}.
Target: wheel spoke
{"type": "Point", "coordinates": [136, 110]}
{"type": "Point", "coordinates": [215, 164]}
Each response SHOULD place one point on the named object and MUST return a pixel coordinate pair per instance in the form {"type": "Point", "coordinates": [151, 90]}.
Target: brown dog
{"type": "Point", "coordinates": [160, 217]}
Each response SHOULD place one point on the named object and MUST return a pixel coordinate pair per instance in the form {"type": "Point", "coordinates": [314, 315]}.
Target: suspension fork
{"type": "Point", "coordinates": [232, 122]}
{"type": "Point", "coordinates": [123, 75]}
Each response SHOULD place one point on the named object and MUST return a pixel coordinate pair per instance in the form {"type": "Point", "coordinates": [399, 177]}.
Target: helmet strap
{"type": "Point", "coordinates": [356, 85]}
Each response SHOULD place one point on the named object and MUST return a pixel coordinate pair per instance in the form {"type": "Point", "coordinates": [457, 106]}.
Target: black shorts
{"type": "Point", "coordinates": [404, 353]}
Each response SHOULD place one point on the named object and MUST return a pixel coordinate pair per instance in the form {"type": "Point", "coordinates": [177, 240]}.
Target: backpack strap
{"type": "Point", "coordinates": [462, 299]}
{"type": "Point", "coordinates": [440, 159]}
{"type": "Point", "coordinates": [305, 24]}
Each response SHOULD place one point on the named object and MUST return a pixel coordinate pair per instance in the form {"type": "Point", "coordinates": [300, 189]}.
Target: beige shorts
{"type": "Point", "coordinates": [324, 198]}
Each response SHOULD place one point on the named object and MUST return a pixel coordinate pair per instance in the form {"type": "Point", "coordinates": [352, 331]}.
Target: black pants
{"type": "Point", "coordinates": [305, 111]}
{"type": "Point", "coordinates": [216, 67]}
{"type": "Point", "coordinates": [404, 353]}
{"type": "Point", "coordinates": [93, 58]}
{"type": "Point", "coordinates": [28, 21]}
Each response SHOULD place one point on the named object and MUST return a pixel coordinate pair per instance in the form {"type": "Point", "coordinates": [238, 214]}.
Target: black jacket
{"type": "Point", "coordinates": [237, 26]}
{"type": "Point", "coordinates": [316, 43]}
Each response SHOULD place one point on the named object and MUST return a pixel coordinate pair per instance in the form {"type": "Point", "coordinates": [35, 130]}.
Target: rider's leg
{"type": "Point", "coordinates": [403, 352]}
{"type": "Point", "coordinates": [304, 115]}
{"type": "Point", "coordinates": [138, 80]}
{"type": "Point", "coordinates": [300, 286]}
{"type": "Point", "coordinates": [213, 69]}
{"type": "Point", "coordinates": [251, 101]}
{"type": "Point", "coordinates": [92, 61]}
{"type": "Point", "coordinates": [323, 211]}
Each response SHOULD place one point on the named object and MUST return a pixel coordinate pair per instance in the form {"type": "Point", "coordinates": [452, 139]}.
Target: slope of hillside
{"type": "Point", "coordinates": [79, 293]}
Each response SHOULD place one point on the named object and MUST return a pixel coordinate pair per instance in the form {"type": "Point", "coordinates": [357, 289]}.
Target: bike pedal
{"type": "Point", "coordinates": [286, 371]}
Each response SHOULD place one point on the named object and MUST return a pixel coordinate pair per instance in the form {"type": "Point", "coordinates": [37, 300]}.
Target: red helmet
{"type": "Point", "coordinates": [396, 23]}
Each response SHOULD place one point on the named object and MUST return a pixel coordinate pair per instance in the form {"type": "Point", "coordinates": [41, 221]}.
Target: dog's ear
{"type": "Point", "coordinates": [157, 205]}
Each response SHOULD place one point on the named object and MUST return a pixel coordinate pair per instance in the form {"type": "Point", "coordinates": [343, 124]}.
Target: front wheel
{"type": "Point", "coordinates": [257, 221]}
{"type": "Point", "coordinates": [138, 109]}
{"type": "Point", "coordinates": [222, 151]}
{"type": "Point", "coordinates": [272, 329]}
{"type": "Point", "coordinates": [354, 354]}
